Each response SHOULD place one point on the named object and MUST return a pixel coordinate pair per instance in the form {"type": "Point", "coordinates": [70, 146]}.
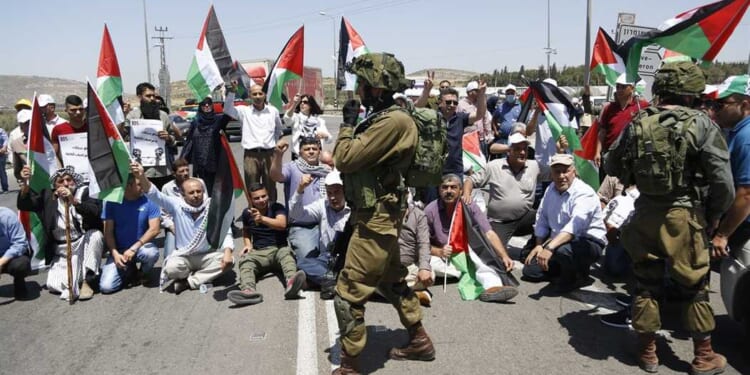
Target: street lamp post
{"type": "Point", "coordinates": [549, 50]}
{"type": "Point", "coordinates": [335, 63]}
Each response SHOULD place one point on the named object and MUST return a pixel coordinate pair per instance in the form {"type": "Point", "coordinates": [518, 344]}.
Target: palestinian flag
{"type": "Point", "coordinates": [350, 44]}
{"type": "Point", "coordinates": [288, 66]}
{"type": "Point", "coordinates": [606, 58]}
{"type": "Point", "coordinates": [108, 80]}
{"type": "Point", "coordinates": [558, 112]}
{"type": "Point", "coordinates": [458, 239]}
{"type": "Point", "coordinates": [227, 186]}
{"type": "Point", "coordinates": [699, 33]}
{"type": "Point", "coordinates": [584, 158]}
{"type": "Point", "coordinates": [472, 154]}
{"type": "Point", "coordinates": [42, 162]}
{"type": "Point", "coordinates": [243, 79]}
{"type": "Point", "coordinates": [109, 158]}
{"type": "Point", "coordinates": [212, 61]}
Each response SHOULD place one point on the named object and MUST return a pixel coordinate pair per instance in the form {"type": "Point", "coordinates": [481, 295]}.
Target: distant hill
{"type": "Point", "coordinates": [13, 88]}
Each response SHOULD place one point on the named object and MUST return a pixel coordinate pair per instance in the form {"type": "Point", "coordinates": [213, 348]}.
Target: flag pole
{"type": "Point", "coordinates": [69, 253]}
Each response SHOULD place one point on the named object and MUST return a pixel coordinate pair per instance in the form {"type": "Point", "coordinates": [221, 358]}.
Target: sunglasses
{"type": "Point", "coordinates": [451, 102]}
{"type": "Point", "coordinates": [719, 105]}
{"type": "Point", "coordinates": [304, 101]}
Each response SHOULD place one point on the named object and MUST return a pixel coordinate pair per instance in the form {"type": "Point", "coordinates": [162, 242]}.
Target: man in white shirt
{"type": "Point", "coordinates": [569, 230]}
{"type": "Point", "coordinates": [261, 129]}
{"type": "Point", "coordinates": [47, 105]}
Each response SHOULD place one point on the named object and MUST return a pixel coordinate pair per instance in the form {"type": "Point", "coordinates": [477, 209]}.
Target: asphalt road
{"type": "Point", "coordinates": [142, 331]}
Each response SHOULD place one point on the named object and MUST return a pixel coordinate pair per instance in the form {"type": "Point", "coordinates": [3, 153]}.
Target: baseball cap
{"type": "Point", "coordinates": [517, 138]}
{"type": "Point", "coordinates": [333, 178]}
{"type": "Point", "coordinates": [23, 103]}
{"type": "Point", "coordinates": [551, 81]}
{"type": "Point", "coordinates": [562, 159]}
{"type": "Point", "coordinates": [23, 115]}
{"type": "Point", "coordinates": [622, 79]}
{"type": "Point", "coordinates": [735, 85]}
{"type": "Point", "coordinates": [473, 85]}
{"type": "Point", "coordinates": [509, 87]}
{"type": "Point", "coordinates": [45, 99]}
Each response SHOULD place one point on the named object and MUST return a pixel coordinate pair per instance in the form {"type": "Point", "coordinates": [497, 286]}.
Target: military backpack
{"type": "Point", "coordinates": [426, 169]}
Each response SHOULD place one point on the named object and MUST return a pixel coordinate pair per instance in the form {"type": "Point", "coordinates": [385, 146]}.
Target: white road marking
{"type": "Point", "coordinates": [307, 342]}
{"type": "Point", "coordinates": [333, 334]}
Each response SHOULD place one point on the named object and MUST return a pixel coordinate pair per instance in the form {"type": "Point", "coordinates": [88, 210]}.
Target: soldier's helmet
{"type": "Point", "coordinates": [380, 70]}
{"type": "Point", "coordinates": [679, 78]}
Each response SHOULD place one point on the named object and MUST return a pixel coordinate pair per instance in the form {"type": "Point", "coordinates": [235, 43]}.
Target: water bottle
{"type": "Point", "coordinates": [205, 287]}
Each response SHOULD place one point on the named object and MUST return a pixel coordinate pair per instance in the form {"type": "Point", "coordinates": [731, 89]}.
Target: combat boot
{"type": "Point", "coordinates": [419, 348]}
{"type": "Point", "coordinates": [706, 361]}
{"type": "Point", "coordinates": [348, 365]}
{"type": "Point", "coordinates": [647, 359]}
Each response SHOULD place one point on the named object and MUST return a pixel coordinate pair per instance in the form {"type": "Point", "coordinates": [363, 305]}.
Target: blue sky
{"type": "Point", "coordinates": [62, 38]}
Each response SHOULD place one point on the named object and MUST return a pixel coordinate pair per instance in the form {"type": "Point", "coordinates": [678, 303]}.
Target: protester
{"type": "Point", "coordinates": [265, 249]}
{"type": "Point", "coordinates": [76, 122]}
{"type": "Point", "coordinates": [427, 100]}
{"type": "Point", "coordinates": [14, 251]}
{"type": "Point", "coordinates": [22, 104]}
{"type": "Point", "coordinates": [203, 138]}
{"type": "Point", "coordinates": [511, 183]}
{"type": "Point", "coordinates": [569, 230]}
{"type": "Point", "coordinates": [181, 172]}
{"type": "Point", "coordinates": [4, 149]}
{"type": "Point", "coordinates": [475, 103]}
{"type": "Point", "coordinates": [129, 230]}
{"type": "Point", "coordinates": [18, 141]}
{"type": "Point", "coordinates": [149, 109]}
{"type": "Point", "coordinates": [503, 118]}
{"type": "Point", "coordinates": [733, 112]}
{"type": "Point", "coordinates": [666, 234]}
{"type": "Point", "coordinates": [439, 214]}
{"type": "Point", "coordinates": [304, 116]}
{"type": "Point", "coordinates": [617, 115]}
{"type": "Point", "coordinates": [414, 247]}
{"type": "Point", "coordinates": [373, 159]}
{"type": "Point", "coordinates": [261, 129]}
{"type": "Point", "coordinates": [47, 107]}
{"type": "Point", "coordinates": [67, 195]}
{"type": "Point", "coordinates": [303, 234]}
{"type": "Point", "coordinates": [330, 213]}
{"type": "Point", "coordinates": [194, 262]}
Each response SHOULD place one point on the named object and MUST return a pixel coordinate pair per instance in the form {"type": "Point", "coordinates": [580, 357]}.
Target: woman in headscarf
{"type": "Point", "coordinates": [304, 117]}
{"type": "Point", "coordinates": [203, 138]}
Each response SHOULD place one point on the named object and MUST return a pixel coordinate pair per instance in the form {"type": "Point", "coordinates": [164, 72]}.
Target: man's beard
{"type": "Point", "coordinates": [150, 110]}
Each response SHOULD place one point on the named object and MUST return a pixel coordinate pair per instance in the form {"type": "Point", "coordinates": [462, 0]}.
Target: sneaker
{"type": "Point", "coordinates": [620, 319]}
{"type": "Point", "coordinates": [623, 300]}
{"type": "Point", "coordinates": [245, 297]}
{"type": "Point", "coordinates": [294, 284]}
{"type": "Point", "coordinates": [498, 294]}
{"type": "Point", "coordinates": [86, 292]}
{"type": "Point", "coordinates": [180, 286]}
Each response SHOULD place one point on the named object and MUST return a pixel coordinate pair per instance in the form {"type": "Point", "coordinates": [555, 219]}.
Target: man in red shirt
{"type": "Point", "coordinates": [617, 114]}
{"type": "Point", "coordinates": [76, 123]}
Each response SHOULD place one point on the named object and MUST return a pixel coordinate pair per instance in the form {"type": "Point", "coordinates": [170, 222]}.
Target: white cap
{"type": "Point", "coordinates": [333, 178]}
{"type": "Point", "coordinates": [473, 85]}
{"type": "Point", "coordinates": [23, 116]}
{"type": "Point", "coordinates": [622, 79]}
{"type": "Point", "coordinates": [517, 138]}
{"type": "Point", "coordinates": [399, 95]}
{"type": "Point", "coordinates": [574, 101]}
{"type": "Point", "coordinates": [550, 81]}
{"type": "Point", "coordinates": [509, 87]}
{"type": "Point", "coordinates": [45, 99]}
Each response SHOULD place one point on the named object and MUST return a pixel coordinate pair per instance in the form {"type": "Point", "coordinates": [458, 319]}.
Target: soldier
{"type": "Point", "coordinates": [373, 158]}
{"type": "Point", "coordinates": [679, 161]}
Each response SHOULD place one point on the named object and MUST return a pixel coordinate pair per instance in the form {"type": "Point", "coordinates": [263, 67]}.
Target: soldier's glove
{"type": "Point", "coordinates": [351, 112]}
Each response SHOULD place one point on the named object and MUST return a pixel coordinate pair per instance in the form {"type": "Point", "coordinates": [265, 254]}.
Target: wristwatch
{"type": "Point", "coordinates": [546, 247]}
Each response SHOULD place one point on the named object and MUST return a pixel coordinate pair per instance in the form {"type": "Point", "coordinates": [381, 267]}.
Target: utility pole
{"type": "Point", "coordinates": [549, 50]}
{"type": "Point", "coordinates": [587, 54]}
{"type": "Point", "coordinates": [164, 84]}
{"type": "Point", "coordinates": [148, 47]}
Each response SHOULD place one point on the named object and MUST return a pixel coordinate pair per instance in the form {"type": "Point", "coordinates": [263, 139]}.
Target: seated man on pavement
{"type": "Point", "coordinates": [414, 245]}
{"type": "Point", "coordinates": [173, 188]}
{"type": "Point", "coordinates": [330, 213]}
{"type": "Point", "coordinates": [266, 249]}
{"type": "Point", "coordinates": [67, 195]}
{"type": "Point", "coordinates": [194, 261]}
{"type": "Point", "coordinates": [512, 184]}
{"type": "Point", "coordinates": [14, 251]}
{"type": "Point", "coordinates": [303, 233]}
{"type": "Point", "coordinates": [129, 229]}
{"type": "Point", "coordinates": [439, 217]}
{"type": "Point", "coordinates": [569, 230]}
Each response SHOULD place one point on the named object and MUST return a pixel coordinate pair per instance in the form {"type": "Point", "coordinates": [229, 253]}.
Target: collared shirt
{"type": "Point", "coordinates": [576, 211]}
{"type": "Point", "coordinates": [454, 163]}
{"type": "Point", "coordinates": [484, 125]}
{"type": "Point", "coordinates": [739, 153]}
{"type": "Point", "coordinates": [614, 119]}
{"type": "Point", "coordinates": [506, 114]}
{"type": "Point", "coordinates": [292, 176]}
{"type": "Point", "coordinates": [320, 211]}
{"type": "Point", "coordinates": [260, 128]}
{"type": "Point", "coordinates": [184, 224]}
{"type": "Point", "coordinates": [439, 221]}
{"type": "Point", "coordinates": [53, 122]}
{"type": "Point", "coordinates": [511, 194]}
{"type": "Point", "coordinates": [12, 236]}
{"type": "Point", "coordinates": [414, 239]}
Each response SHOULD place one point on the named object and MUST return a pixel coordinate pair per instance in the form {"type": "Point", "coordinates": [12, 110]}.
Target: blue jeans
{"type": "Point", "coordinates": [304, 243]}
{"type": "Point", "coordinates": [111, 279]}
{"type": "Point", "coordinates": [3, 174]}
{"type": "Point", "coordinates": [169, 243]}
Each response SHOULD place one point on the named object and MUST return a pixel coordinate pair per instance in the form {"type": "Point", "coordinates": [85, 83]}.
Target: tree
{"type": "Point", "coordinates": [553, 71]}
{"type": "Point", "coordinates": [541, 72]}
{"type": "Point", "coordinates": [521, 73]}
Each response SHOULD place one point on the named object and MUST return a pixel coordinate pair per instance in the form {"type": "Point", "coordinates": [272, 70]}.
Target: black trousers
{"type": "Point", "coordinates": [19, 267]}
